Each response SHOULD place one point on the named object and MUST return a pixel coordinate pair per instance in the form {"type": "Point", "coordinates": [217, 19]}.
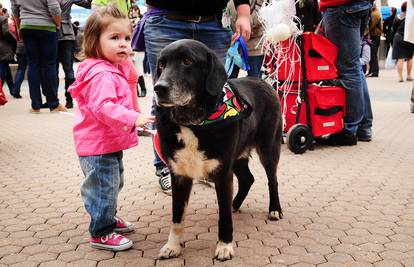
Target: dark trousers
{"type": "Point", "coordinates": [66, 50]}
{"type": "Point", "coordinates": [41, 47]}
{"type": "Point", "coordinates": [6, 76]}
{"type": "Point", "coordinates": [373, 63]}
{"type": "Point", "coordinates": [21, 70]}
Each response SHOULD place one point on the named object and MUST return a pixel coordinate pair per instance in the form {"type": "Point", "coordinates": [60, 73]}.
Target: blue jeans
{"type": "Point", "coordinates": [104, 178]}
{"type": "Point", "coordinates": [41, 48]}
{"type": "Point", "coordinates": [160, 31]}
{"type": "Point", "coordinates": [343, 26]}
{"type": "Point", "coordinates": [255, 63]}
{"type": "Point", "coordinates": [21, 70]}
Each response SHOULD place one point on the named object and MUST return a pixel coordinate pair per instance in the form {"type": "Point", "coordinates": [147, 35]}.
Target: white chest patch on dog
{"type": "Point", "coordinates": [190, 161]}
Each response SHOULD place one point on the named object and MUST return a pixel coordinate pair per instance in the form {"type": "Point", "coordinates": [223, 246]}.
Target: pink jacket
{"type": "Point", "coordinates": [105, 118]}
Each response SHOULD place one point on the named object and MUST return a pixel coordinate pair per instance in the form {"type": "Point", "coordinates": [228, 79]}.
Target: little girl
{"type": "Point", "coordinates": [105, 123]}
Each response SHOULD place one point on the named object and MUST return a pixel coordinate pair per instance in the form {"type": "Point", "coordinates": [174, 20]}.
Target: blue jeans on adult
{"type": "Point", "coordinates": [104, 179]}
{"type": "Point", "coordinates": [20, 72]}
{"type": "Point", "coordinates": [41, 48]}
{"type": "Point", "coordinates": [66, 50]}
{"type": "Point", "coordinates": [160, 31]}
{"type": "Point", "coordinates": [255, 63]}
{"type": "Point", "coordinates": [343, 26]}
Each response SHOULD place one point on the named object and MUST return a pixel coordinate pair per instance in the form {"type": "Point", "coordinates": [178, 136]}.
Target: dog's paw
{"type": "Point", "coordinates": [170, 250]}
{"type": "Point", "coordinates": [275, 215]}
{"type": "Point", "coordinates": [224, 251]}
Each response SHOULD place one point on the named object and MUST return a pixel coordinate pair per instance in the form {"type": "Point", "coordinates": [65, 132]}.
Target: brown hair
{"type": "Point", "coordinates": [97, 22]}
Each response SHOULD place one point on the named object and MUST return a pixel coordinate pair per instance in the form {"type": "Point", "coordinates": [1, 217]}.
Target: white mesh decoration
{"type": "Point", "coordinates": [280, 24]}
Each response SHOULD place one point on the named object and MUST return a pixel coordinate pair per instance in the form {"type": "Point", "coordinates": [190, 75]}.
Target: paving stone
{"type": "Point", "coordinates": [13, 258]}
{"type": "Point", "coordinates": [335, 215]}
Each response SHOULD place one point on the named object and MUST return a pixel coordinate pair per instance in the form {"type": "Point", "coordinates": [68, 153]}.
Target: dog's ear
{"type": "Point", "coordinates": [216, 75]}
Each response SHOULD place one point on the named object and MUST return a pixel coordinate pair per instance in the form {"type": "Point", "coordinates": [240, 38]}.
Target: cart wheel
{"type": "Point", "coordinates": [299, 138]}
{"type": "Point", "coordinates": [412, 107]}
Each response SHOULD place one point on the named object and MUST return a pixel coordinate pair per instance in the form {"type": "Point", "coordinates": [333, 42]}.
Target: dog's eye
{"type": "Point", "coordinates": [187, 62]}
{"type": "Point", "coordinates": [161, 66]}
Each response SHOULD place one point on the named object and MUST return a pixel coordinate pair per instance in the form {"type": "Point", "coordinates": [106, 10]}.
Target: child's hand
{"type": "Point", "coordinates": [144, 119]}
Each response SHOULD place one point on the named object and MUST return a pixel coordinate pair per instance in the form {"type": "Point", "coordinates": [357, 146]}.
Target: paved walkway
{"type": "Point", "coordinates": [343, 206]}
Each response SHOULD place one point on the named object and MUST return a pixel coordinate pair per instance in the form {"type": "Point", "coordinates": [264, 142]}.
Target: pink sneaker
{"type": "Point", "coordinates": [113, 242]}
{"type": "Point", "coordinates": [123, 226]}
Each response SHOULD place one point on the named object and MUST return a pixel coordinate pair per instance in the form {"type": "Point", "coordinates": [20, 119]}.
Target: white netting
{"type": "Point", "coordinates": [281, 47]}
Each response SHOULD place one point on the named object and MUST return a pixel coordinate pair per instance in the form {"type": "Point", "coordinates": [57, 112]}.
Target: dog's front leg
{"type": "Point", "coordinates": [181, 188]}
{"type": "Point", "coordinates": [224, 191]}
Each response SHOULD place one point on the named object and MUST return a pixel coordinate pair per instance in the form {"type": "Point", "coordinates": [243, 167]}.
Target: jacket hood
{"type": "Point", "coordinates": [91, 67]}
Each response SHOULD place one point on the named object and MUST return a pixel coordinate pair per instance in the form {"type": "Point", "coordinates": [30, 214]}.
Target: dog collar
{"type": "Point", "coordinates": [230, 107]}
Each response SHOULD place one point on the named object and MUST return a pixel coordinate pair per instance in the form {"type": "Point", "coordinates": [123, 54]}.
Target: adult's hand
{"type": "Point", "coordinates": [243, 21]}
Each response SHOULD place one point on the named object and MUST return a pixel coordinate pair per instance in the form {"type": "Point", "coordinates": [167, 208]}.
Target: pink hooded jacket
{"type": "Point", "coordinates": [105, 118]}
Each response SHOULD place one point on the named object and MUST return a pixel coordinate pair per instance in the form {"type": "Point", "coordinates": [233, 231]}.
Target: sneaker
{"type": "Point", "coordinates": [112, 242]}
{"type": "Point", "coordinates": [123, 226]}
{"type": "Point", "coordinates": [59, 108]}
{"type": "Point", "coordinates": [34, 111]}
{"type": "Point", "coordinates": [164, 179]}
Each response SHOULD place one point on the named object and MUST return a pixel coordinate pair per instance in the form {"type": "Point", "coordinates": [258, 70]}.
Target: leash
{"type": "Point", "coordinates": [234, 57]}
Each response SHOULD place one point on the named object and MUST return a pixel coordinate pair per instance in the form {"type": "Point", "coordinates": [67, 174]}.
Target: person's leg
{"type": "Point", "coordinates": [255, 63]}
{"type": "Point", "coordinates": [100, 190]}
{"type": "Point", "coordinates": [159, 32]}
{"type": "Point", "coordinates": [409, 68]}
{"type": "Point", "coordinates": [373, 64]}
{"type": "Point", "coordinates": [66, 50]}
{"type": "Point", "coordinates": [364, 132]}
{"type": "Point", "coordinates": [20, 72]}
{"type": "Point", "coordinates": [32, 45]}
{"type": "Point", "coordinates": [2, 71]}
{"type": "Point", "coordinates": [400, 64]}
{"type": "Point", "coordinates": [9, 78]}
{"type": "Point", "coordinates": [48, 57]}
{"type": "Point", "coordinates": [340, 22]}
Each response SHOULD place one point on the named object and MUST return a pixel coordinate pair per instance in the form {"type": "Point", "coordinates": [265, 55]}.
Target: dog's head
{"type": "Point", "coordinates": [189, 79]}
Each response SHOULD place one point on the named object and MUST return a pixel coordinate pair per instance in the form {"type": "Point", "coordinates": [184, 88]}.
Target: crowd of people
{"type": "Point", "coordinates": [40, 35]}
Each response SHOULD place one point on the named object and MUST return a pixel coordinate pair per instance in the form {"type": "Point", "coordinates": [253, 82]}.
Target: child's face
{"type": "Point", "coordinates": [115, 41]}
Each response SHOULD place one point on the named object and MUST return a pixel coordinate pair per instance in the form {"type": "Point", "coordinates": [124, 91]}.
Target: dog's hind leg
{"type": "Point", "coordinates": [269, 154]}
{"type": "Point", "coordinates": [245, 179]}
{"type": "Point", "coordinates": [181, 189]}
{"type": "Point", "coordinates": [224, 191]}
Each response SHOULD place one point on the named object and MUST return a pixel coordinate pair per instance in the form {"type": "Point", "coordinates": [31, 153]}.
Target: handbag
{"type": "Point", "coordinates": [233, 56]}
{"type": "Point", "coordinates": [389, 62]}
{"type": "Point", "coordinates": [3, 99]}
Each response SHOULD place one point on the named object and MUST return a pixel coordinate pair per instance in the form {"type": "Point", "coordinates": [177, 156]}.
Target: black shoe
{"type": "Point", "coordinates": [16, 96]}
{"type": "Point", "coordinates": [372, 75]}
{"type": "Point", "coordinates": [44, 105]}
{"type": "Point", "coordinates": [364, 137]}
{"type": "Point", "coordinates": [69, 104]}
{"type": "Point", "coordinates": [344, 138]}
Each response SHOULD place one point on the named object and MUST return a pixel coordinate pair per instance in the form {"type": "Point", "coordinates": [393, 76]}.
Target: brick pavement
{"type": "Point", "coordinates": [343, 206]}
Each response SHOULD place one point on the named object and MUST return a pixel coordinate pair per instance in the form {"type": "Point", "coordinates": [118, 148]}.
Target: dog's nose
{"type": "Point", "coordinates": [160, 87]}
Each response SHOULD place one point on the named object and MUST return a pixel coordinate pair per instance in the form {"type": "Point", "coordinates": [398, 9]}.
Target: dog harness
{"type": "Point", "coordinates": [230, 107]}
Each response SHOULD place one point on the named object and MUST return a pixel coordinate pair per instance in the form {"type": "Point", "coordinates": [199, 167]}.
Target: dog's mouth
{"type": "Point", "coordinates": [176, 102]}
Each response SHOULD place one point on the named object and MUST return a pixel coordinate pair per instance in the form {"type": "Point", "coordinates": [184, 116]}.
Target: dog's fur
{"type": "Point", "coordinates": [189, 80]}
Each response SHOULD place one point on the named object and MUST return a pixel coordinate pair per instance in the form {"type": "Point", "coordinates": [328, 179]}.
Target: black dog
{"type": "Point", "coordinates": [189, 86]}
